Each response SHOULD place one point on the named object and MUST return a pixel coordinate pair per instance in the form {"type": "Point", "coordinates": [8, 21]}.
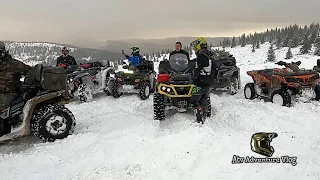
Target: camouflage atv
{"type": "Point", "coordinates": [41, 111]}
{"type": "Point", "coordinates": [228, 73]}
{"type": "Point", "coordinates": [140, 80]}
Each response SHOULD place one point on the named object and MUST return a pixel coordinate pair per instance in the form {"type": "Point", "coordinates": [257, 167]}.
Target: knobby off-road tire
{"type": "Point", "coordinates": [234, 86]}
{"type": "Point", "coordinates": [85, 93]}
{"type": "Point", "coordinates": [158, 107]}
{"type": "Point", "coordinates": [209, 108]}
{"type": "Point", "coordinates": [53, 122]}
{"type": "Point", "coordinates": [249, 91]}
{"type": "Point", "coordinates": [281, 97]}
{"type": "Point", "coordinates": [114, 88]}
{"type": "Point", "coordinates": [144, 91]}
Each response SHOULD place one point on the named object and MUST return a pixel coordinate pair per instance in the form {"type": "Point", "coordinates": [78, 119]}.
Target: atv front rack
{"type": "Point", "coordinates": [172, 90]}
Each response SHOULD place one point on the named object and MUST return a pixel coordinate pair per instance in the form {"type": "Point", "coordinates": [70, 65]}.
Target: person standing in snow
{"type": "Point", "coordinates": [65, 59]}
{"type": "Point", "coordinates": [178, 49]}
{"type": "Point", "coordinates": [202, 76]}
{"type": "Point", "coordinates": [136, 58]}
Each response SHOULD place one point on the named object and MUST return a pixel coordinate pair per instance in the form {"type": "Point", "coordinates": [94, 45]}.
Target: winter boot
{"type": "Point", "coordinates": [198, 115]}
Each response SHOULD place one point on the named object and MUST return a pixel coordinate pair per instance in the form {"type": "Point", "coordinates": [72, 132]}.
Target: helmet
{"type": "Point", "coordinates": [65, 50]}
{"type": "Point", "coordinates": [260, 143]}
{"type": "Point", "coordinates": [2, 50]}
{"type": "Point", "coordinates": [199, 43]}
{"type": "Point", "coordinates": [135, 50]}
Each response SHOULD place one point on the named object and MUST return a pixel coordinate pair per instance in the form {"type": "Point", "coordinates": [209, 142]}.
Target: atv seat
{"type": "Point", "coordinates": [38, 71]}
{"type": "Point", "coordinates": [301, 73]}
{"type": "Point", "coordinates": [267, 73]}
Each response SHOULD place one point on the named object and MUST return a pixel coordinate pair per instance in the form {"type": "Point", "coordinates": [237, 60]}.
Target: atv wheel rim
{"type": "Point", "coordinates": [147, 91]}
{"type": "Point", "coordinates": [56, 125]}
{"type": "Point", "coordinates": [247, 92]}
{"type": "Point", "coordinates": [277, 99]}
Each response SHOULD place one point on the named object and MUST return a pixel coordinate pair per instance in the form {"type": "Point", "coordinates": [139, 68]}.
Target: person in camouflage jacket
{"type": "Point", "coordinates": [11, 71]}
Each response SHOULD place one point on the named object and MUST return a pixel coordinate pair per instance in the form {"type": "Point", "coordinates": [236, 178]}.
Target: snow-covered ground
{"type": "Point", "coordinates": [118, 139]}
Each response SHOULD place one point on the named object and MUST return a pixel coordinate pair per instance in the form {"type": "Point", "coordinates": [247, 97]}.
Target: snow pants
{"type": "Point", "coordinates": [200, 96]}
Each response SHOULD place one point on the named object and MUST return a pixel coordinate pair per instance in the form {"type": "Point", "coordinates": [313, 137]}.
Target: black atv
{"type": "Point", "coordinates": [174, 86]}
{"type": "Point", "coordinates": [139, 79]}
{"type": "Point", "coordinates": [40, 111]}
{"type": "Point", "coordinates": [228, 75]}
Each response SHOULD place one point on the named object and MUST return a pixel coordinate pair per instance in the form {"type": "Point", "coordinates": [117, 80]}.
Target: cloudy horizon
{"type": "Point", "coordinates": [95, 21]}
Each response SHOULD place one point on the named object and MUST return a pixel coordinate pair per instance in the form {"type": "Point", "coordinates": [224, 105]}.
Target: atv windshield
{"type": "Point", "coordinates": [178, 62]}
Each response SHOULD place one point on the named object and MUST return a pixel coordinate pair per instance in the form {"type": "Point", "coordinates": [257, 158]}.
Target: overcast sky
{"type": "Point", "coordinates": [73, 21]}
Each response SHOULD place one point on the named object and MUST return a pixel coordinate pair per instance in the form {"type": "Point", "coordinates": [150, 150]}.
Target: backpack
{"type": "Point", "coordinates": [211, 70]}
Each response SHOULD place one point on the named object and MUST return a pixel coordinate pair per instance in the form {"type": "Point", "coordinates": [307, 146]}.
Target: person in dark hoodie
{"type": "Point", "coordinates": [179, 49]}
{"type": "Point", "coordinates": [66, 59]}
{"type": "Point", "coordinates": [202, 77]}
{"type": "Point", "coordinates": [136, 58]}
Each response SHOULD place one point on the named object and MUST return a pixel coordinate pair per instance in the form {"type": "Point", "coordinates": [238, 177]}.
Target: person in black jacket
{"type": "Point", "coordinates": [179, 50]}
{"type": "Point", "coordinates": [201, 78]}
{"type": "Point", "coordinates": [65, 59]}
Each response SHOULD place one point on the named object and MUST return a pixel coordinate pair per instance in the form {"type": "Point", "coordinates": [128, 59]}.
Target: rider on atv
{"type": "Point", "coordinates": [65, 59]}
{"type": "Point", "coordinates": [136, 57]}
{"type": "Point", "coordinates": [11, 71]}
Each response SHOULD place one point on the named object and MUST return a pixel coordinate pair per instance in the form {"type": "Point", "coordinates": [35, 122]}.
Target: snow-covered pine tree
{"type": "Point", "coordinates": [289, 54]}
{"type": "Point", "coordinates": [317, 44]}
{"type": "Point", "coordinates": [243, 40]}
{"type": "Point", "coordinates": [306, 46]}
{"type": "Point", "coordinates": [271, 54]}
{"type": "Point", "coordinates": [253, 49]}
{"type": "Point", "coordinates": [233, 43]}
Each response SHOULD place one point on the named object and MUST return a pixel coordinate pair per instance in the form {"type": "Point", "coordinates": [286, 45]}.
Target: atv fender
{"type": "Point", "coordinates": [104, 73]}
{"type": "Point", "coordinates": [28, 110]}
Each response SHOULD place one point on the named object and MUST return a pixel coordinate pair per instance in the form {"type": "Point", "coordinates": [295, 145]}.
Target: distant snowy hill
{"type": "Point", "coordinates": [35, 52]}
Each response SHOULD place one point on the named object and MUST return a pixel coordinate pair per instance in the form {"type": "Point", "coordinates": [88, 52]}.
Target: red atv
{"type": "Point", "coordinates": [281, 85]}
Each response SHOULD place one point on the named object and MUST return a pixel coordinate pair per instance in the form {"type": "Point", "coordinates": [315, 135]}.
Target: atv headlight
{"type": "Point", "coordinates": [168, 90]}
{"type": "Point", "coordinates": [163, 88]}
{"type": "Point", "coordinates": [129, 72]}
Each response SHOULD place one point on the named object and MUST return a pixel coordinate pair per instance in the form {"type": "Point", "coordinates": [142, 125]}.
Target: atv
{"type": "Point", "coordinates": [228, 75]}
{"type": "Point", "coordinates": [174, 86]}
{"type": "Point", "coordinates": [282, 85]}
{"type": "Point", "coordinates": [139, 79]}
{"type": "Point", "coordinates": [41, 110]}
{"type": "Point", "coordinates": [88, 79]}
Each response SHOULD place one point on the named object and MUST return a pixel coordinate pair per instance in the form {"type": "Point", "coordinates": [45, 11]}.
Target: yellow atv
{"type": "Point", "coordinates": [174, 86]}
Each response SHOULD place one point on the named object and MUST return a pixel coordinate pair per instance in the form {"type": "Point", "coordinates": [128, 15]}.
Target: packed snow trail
{"type": "Point", "coordinates": [118, 139]}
